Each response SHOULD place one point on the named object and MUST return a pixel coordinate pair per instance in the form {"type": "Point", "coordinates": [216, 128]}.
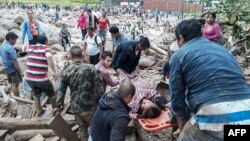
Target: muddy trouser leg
{"type": "Point", "coordinates": [84, 121]}
{"type": "Point", "coordinates": [193, 133]}
{"type": "Point", "coordinates": [67, 41]}
{"type": "Point", "coordinates": [64, 43]}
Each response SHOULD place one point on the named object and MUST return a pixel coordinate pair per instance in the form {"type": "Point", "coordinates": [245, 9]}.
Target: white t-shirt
{"type": "Point", "coordinates": [92, 47]}
{"type": "Point", "coordinates": [98, 14]}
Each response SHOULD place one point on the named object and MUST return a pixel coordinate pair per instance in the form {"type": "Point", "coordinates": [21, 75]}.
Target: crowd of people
{"type": "Point", "coordinates": [207, 86]}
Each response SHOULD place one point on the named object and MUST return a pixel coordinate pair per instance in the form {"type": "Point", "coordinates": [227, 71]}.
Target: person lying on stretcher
{"type": "Point", "coordinates": [147, 102]}
{"type": "Point", "coordinates": [150, 109]}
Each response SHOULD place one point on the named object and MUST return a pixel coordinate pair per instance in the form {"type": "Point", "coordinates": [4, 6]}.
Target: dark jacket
{"type": "Point", "coordinates": [111, 119]}
{"type": "Point", "coordinates": [125, 57]}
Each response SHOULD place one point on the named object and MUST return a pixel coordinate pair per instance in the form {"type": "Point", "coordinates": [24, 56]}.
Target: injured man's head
{"type": "Point", "coordinates": [149, 109]}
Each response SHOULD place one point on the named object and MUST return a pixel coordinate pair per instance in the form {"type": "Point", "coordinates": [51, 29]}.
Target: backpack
{"type": "Point", "coordinates": [94, 37]}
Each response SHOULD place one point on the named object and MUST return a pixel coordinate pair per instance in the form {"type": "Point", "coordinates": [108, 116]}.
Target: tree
{"type": "Point", "coordinates": [207, 3]}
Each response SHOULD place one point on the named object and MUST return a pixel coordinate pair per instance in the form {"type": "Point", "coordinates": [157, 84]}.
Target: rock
{"type": "Point", "coordinates": [53, 41]}
{"type": "Point", "coordinates": [2, 34]}
{"type": "Point", "coordinates": [50, 15]}
{"type": "Point", "coordinates": [65, 14]}
{"type": "Point", "coordinates": [146, 61]}
{"type": "Point", "coordinates": [8, 106]}
{"type": "Point", "coordinates": [19, 20]}
{"type": "Point", "coordinates": [8, 25]}
{"type": "Point", "coordinates": [168, 37]}
{"type": "Point", "coordinates": [57, 48]}
{"type": "Point", "coordinates": [18, 32]}
{"type": "Point", "coordinates": [59, 23]}
{"type": "Point", "coordinates": [43, 18]}
{"type": "Point", "coordinates": [39, 18]}
{"type": "Point", "coordinates": [174, 46]}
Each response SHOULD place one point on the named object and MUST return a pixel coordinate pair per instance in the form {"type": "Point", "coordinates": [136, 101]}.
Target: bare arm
{"type": "Point", "coordinates": [108, 80]}
{"type": "Point", "coordinates": [18, 48]}
{"type": "Point", "coordinates": [84, 47]}
{"type": "Point", "coordinates": [101, 48]}
{"type": "Point", "coordinates": [16, 64]}
{"type": "Point", "coordinates": [52, 66]}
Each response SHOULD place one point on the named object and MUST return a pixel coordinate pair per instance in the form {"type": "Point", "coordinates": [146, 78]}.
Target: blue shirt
{"type": "Point", "coordinates": [8, 54]}
{"type": "Point", "coordinates": [204, 73]}
{"type": "Point", "coordinates": [26, 30]}
{"type": "Point", "coordinates": [122, 38]}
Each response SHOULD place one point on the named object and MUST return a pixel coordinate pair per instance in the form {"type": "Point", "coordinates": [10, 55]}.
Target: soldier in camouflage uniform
{"type": "Point", "coordinates": [85, 86]}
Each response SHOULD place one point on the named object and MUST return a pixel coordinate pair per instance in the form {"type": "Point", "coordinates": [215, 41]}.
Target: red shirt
{"type": "Point", "coordinates": [82, 21]}
{"type": "Point", "coordinates": [33, 28]}
{"type": "Point", "coordinates": [103, 23]}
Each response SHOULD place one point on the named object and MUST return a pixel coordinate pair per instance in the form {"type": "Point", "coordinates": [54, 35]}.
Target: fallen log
{"type": "Point", "coordinates": [25, 135]}
{"type": "Point", "coordinates": [157, 49]}
{"type": "Point", "coordinates": [3, 133]}
{"type": "Point", "coordinates": [65, 109]}
{"type": "Point", "coordinates": [22, 100]}
{"type": "Point", "coordinates": [53, 139]}
{"type": "Point", "coordinates": [24, 124]}
{"type": "Point", "coordinates": [39, 137]}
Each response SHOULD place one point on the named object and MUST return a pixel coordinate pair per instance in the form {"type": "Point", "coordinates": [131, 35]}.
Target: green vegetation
{"type": "Point", "coordinates": [64, 2]}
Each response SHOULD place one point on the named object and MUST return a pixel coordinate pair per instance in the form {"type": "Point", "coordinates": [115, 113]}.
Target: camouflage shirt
{"type": "Point", "coordinates": [85, 86]}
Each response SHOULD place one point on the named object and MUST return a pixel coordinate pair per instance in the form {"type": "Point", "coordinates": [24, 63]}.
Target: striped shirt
{"type": "Point", "coordinates": [214, 117]}
{"type": "Point", "coordinates": [37, 64]}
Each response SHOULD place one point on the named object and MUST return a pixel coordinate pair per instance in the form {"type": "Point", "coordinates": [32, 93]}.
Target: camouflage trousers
{"type": "Point", "coordinates": [84, 120]}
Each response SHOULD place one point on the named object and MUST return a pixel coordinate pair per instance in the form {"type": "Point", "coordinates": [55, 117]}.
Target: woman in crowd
{"type": "Point", "coordinates": [212, 29]}
{"type": "Point", "coordinates": [103, 27]}
{"type": "Point", "coordinates": [82, 23]}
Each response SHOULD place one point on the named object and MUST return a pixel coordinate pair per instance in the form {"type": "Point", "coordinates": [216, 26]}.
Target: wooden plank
{"type": "Point", "coordinates": [24, 124]}
{"type": "Point", "coordinates": [45, 100]}
{"type": "Point", "coordinates": [65, 109]}
{"type": "Point", "coordinates": [62, 129]}
{"type": "Point", "coordinates": [38, 137]}
{"type": "Point", "coordinates": [3, 133]}
{"type": "Point", "coordinates": [75, 128]}
{"type": "Point", "coordinates": [25, 135]}
{"type": "Point", "coordinates": [28, 101]}
{"type": "Point", "coordinates": [53, 139]}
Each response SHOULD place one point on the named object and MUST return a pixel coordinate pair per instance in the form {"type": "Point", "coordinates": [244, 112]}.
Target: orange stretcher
{"type": "Point", "coordinates": [156, 124]}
